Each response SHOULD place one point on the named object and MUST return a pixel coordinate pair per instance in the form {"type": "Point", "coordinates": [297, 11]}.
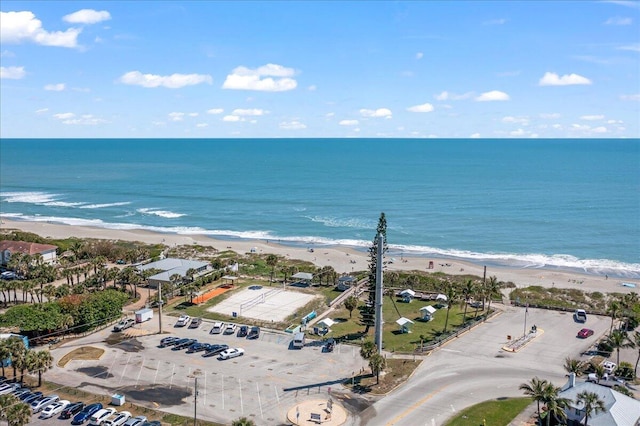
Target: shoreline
{"type": "Point", "coordinates": [342, 258]}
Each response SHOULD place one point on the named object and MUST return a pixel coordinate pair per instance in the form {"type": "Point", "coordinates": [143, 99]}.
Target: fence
{"type": "Point", "coordinates": [261, 298]}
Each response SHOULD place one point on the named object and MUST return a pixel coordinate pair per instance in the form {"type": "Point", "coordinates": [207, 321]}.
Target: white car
{"type": "Point", "coordinates": [135, 421]}
{"type": "Point", "coordinates": [217, 327]}
{"type": "Point", "coordinates": [119, 419]}
{"type": "Point", "coordinates": [53, 409]}
{"type": "Point", "coordinates": [231, 353]}
{"type": "Point", "coordinates": [38, 405]}
{"type": "Point", "coordinates": [183, 320]}
{"type": "Point", "coordinates": [230, 328]}
{"type": "Point", "coordinates": [8, 388]}
{"type": "Point", "coordinates": [100, 416]}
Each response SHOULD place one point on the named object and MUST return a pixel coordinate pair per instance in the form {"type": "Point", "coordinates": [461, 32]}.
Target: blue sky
{"type": "Point", "coordinates": [200, 69]}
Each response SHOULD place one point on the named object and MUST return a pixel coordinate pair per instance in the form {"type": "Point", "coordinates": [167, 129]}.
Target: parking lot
{"type": "Point", "coordinates": [262, 385]}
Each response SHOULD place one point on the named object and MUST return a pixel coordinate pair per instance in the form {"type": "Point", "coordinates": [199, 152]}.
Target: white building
{"type": "Point", "coordinates": [172, 266]}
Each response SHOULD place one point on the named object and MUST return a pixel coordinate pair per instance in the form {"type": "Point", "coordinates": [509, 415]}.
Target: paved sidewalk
{"type": "Point", "coordinates": [301, 414]}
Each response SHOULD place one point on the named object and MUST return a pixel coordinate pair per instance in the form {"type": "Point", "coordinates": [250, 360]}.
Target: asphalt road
{"type": "Point", "coordinates": [474, 368]}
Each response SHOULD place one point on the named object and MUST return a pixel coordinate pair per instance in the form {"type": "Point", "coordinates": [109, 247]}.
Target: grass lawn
{"type": "Point", "coordinates": [85, 352]}
{"type": "Point", "coordinates": [493, 413]}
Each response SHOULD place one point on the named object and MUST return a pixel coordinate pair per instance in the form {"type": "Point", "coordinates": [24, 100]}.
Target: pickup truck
{"type": "Point", "coordinates": [124, 324]}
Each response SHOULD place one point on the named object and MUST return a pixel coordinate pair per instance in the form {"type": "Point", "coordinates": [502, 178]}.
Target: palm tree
{"type": "Point", "coordinates": [619, 339]}
{"type": "Point", "coordinates": [636, 342]}
{"type": "Point", "coordinates": [272, 261]}
{"type": "Point", "coordinates": [467, 291]}
{"type": "Point", "coordinates": [39, 362]}
{"type": "Point", "coordinates": [613, 309]}
{"type": "Point", "coordinates": [493, 287]}
{"type": "Point", "coordinates": [451, 298]}
{"type": "Point", "coordinates": [6, 401]}
{"type": "Point", "coordinates": [591, 404]}
{"type": "Point", "coordinates": [367, 349]}
{"type": "Point", "coordinates": [536, 389]}
{"type": "Point", "coordinates": [598, 370]}
{"type": "Point", "coordinates": [555, 405]}
{"type": "Point", "coordinates": [350, 304]}
{"type": "Point", "coordinates": [5, 353]}
{"type": "Point", "coordinates": [243, 421]}
{"type": "Point", "coordinates": [19, 414]}
{"type": "Point", "coordinates": [575, 366]}
{"type": "Point", "coordinates": [377, 363]}
{"type": "Point", "coordinates": [18, 352]}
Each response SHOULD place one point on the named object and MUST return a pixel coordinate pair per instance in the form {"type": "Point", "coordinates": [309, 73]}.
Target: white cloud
{"type": "Point", "coordinates": [42, 110]}
{"type": "Point", "coordinates": [193, 114]}
{"type": "Point", "coordinates": [173, 81]}
{"type": "Point", "coordinates": [500, 21]}
{"type": "Point", "coordinates": [215, 111]}
{"type": "Point", "coordinates": [7, 54]}
{"type": "Point", "coordinates": [592, 117]}
{"type": "Point", "coordinates": [550, 116]}
{"type": "Point", "coordinates": [87, 16]}
{"type": "Point", "coordinates": [634, 97]}
{"type": "Point", "coordinates": [261, 79]}
{"type": "Point", "coordinates": [516, 120]}
{"type": "Point", "coordinates": [202, 125]}
{"type": "Point", "coordinates": [618, 21]}
{"type": "Point", "coordinates": [85, 120]}
{"type": "Point", "coordinates": [494, 95]}
{"type": "Point", "coordinates": [475, 135]}
{"type": "Point", "coordinates": [380, 112]}
{"type": "Point", "coordinates": [628, 3]}
{"type": "Point", "coordinates": [312, 88]}
{"type": "Point", "coordinates": [330, 114]}
{"type": "Point", "coordinates": [600, 129]}
{"type": "Point", "coordinates": [176, 116]}
{"type": "Point", "coordinates": [232, 118]}
{"type": "Point", "coordinates": [254, 111]}
{"type": "Point", "coordinates": [631, 47]}
{"type": "Point", "coordinates": [64, 115]}
{"type": "Point", "coordinates": [55, 87]}
{"type": "Point", "coordinates": [446, 96]}
{"type": "Point", "coordinates": [18, 27]}
{"type": "Point", "coordinates": [421, 108]}
{"type": "Point", "coordinates": [553, 79]}
{"type": "Point", "coordinates": [349, 122]}
{"type": "Point", "coordinates": [13, 73]}
{"type": "Point", "coordinates": [517, 133]}
{"type": "Point", "coordinates": [292, 125]}
{"type": "Point", "coordinates": [419, 55]}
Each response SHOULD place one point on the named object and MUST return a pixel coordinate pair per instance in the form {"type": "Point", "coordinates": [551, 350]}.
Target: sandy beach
{"type": "Point", "coordinates": [342, 259]}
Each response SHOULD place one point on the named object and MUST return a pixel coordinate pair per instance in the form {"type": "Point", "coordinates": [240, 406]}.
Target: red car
{"type": "Point", "coordinates": [584, 333]}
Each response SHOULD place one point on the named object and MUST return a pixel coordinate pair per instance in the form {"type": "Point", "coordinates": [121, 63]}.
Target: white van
{"type": "Point", "coordinates": [298, 340]}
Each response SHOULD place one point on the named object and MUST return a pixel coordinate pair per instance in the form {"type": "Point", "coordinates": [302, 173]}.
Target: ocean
{"type": "Point", "coordinates": [568, 204]}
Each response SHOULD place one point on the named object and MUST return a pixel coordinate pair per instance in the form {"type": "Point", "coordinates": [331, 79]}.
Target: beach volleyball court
{"type": "Point", "coordinates": [263, 303]}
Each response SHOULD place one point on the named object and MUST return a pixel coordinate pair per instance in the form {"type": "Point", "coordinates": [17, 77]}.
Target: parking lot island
{"type": "Point", "coordinates": [317, 411]}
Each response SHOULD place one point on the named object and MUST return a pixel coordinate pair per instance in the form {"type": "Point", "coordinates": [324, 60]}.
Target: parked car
{"type": "Point", "coordinates": [584, 333]}
{"type": "Point", "coordinates": [183, 320]}
{"type": "Point", "coordinates": [53, 409]}
{"type": "Point", "coordinates": [197, 347]}
{"type": "Point", "coordinates": [215, 350]}
{"type": "Point", "coordinates": [72, 410]}
{"type": "Point", "coordinates": [185, 344]}
{"type": "Point", "coordinates": [8, 275]}
{"type": "Point", "coordinates": [87, 412]}
{"type": "Point", "coordinates": [609, 366]}
{"type": "Point", "coordinates": [39, 404]}
{"type": "Point", "coordinates": [217, 328]}
{"type": "Point", "coordinates": [20, 391]}
{"type": "Point", "coordinates": [254, 333]}
{"type": "Point", "coordinates": [9, 387]}
{"type": "Point", "coordinates": [243, 331]}
{"type": "Point", "coordinates": [100, 416]}
{"type": "Point", "coordinates": [168, 341]}
{"type": "Point", "coordinates": [230, 328]}
{"type": "Point", "coordinates": [124, 324]}
{"type": "Point", "coordinates": [28, 399]}
{"type": "Point", "coordinates": [580, 315]}
{"type": "Point", "coordinates": [118, 420]}
{"type": "Point", "coordinates": [153, 423]}
{"type": "Point", "coordinates": [195, 323]}
{"type": "Point", "coordinates": [231, 353]}
{"type": "Point", "coordinates": [135, 421]}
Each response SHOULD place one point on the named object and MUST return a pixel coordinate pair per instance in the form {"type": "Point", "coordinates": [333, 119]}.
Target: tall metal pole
{"type": "Point", "coordinates": [379, 287]}
{"type": "Point", "coordinates": [160, 307]}
{"type": "Point", "coordinates": [195, 401]}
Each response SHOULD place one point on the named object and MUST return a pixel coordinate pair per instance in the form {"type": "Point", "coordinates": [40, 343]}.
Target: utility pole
{"type": "Point", "coordinates": [195, 401]}
{"type": "Point", "coordinates": [160, 307]}
{"type": "Point", "coordinates": [379, 292]}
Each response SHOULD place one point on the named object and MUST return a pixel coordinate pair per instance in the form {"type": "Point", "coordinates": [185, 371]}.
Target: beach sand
{"type": "Point", "coordinates": [342, 259]}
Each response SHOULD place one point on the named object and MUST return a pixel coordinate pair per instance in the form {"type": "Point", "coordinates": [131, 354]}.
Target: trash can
{"type": "Point", "coordinates": [117, 400]}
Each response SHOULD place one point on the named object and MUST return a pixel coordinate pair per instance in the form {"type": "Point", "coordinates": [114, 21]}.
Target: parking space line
{"type": "Point", "coordinates": [204, 391]}
{"type": "Point", "coordinates": [125, 368]}
{"type": "Point", "coordinates": [173, 372]}
{"type": "Point", "coordinates": [140, 372]}
{"type": "Point", "coordinates": [276, 391]}
{"type": "Point", "coordinates": [113, 362]}
{"type": "Point", "coordinates": [259, 401]}
{"type": "Point", "coordinates": [240, 388]}
{"type": "Point", "coordinates": [155, 378]}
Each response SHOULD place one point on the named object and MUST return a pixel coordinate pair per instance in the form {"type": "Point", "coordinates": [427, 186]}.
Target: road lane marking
{"type": "Point", "coordinates": [414, 406]}
{"type": "Point", "coordinates": [259, 401]}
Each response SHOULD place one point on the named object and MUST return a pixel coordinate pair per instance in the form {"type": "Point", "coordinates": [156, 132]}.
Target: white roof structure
{"type": "Point", "coordinates": [172, 266]}
{"type": "Point", "coordinates": [441, 297]}
{"type": "Point", "coordinates": [326, 323]}
{"type": "Point", "coordinates": [404, 321]}
{"type": "Point", "coordinates": [408, 292]}
{"type": "Point", "coordinates": [621, 410]}
{"type": "Point", "coordinates": [303, 276]}
{"type": "Point", "coordinates": [429, 309]}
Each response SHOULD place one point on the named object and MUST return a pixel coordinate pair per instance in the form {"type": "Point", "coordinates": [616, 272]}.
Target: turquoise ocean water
{"type": "Point", "coordinates": [570, 204]}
